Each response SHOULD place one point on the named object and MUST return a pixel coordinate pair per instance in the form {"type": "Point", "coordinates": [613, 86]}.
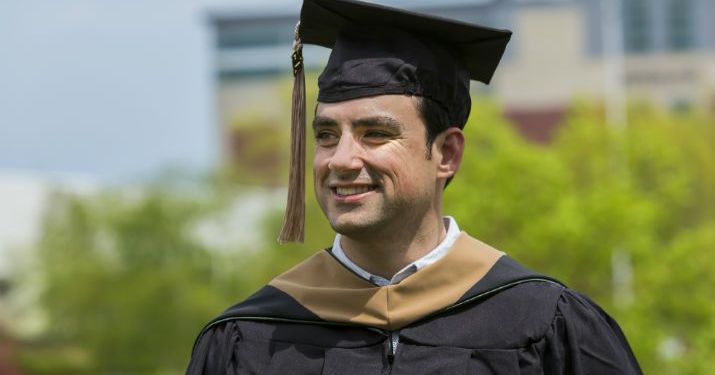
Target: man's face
{"type": "Point", "coordinates": [371, 170]}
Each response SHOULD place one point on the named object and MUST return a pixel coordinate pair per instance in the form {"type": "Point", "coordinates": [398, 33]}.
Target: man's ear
{"type": "Point", "coordinates": [449, 147]}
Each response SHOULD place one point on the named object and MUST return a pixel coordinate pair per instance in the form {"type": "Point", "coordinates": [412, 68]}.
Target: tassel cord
{"type": "Point", "coordinates": [293, 228]}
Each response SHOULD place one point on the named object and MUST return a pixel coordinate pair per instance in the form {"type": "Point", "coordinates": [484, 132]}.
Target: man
{"type": "Point", "coordinates": [401, 290]}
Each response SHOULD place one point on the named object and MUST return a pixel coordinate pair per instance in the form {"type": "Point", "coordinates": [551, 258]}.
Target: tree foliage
{"type": "Point", "coordinates": [124, 281]}
{"type": "Point", "coordinates": [575, 207]}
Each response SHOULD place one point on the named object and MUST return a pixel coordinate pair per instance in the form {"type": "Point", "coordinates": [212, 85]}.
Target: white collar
{"type": "Point", "coordinates": [436, 254]}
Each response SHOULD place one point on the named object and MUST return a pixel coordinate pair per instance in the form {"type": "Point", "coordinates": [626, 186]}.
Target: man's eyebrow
{"type": "Point", "coordinates": [319, 121]}
{"type": "Point", "coordinates": [386, 122]}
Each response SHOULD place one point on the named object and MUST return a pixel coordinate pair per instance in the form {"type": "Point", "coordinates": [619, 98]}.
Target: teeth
{"type": "Point", "coordinates": [352, 190]}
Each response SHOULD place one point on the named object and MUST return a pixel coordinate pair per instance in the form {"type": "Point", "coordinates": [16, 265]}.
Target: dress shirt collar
{"type": "Point", "coordinates": [429, 258]}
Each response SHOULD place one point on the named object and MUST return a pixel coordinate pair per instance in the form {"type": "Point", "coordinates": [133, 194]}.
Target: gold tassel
{"type": "Point", "coordinates": [294, 220]}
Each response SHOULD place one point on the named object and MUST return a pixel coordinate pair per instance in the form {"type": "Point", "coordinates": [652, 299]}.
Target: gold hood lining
{"type": "Point", "coordinates": [324, 286]}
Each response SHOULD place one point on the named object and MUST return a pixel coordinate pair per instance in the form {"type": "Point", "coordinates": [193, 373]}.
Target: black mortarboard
{"type": "Point", "coordinates": [378, 50]}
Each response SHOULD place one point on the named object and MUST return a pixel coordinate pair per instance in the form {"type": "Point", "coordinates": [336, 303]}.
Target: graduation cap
{"type": "Point", "coordinates": [378, 50]}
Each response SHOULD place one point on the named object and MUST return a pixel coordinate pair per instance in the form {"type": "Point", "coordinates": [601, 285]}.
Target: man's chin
{"type": "Point", "coordinates": [353, 227]}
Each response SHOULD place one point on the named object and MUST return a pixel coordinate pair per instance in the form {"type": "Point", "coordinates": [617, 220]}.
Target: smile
{"type": "Point", "coordinates": [346, 191]}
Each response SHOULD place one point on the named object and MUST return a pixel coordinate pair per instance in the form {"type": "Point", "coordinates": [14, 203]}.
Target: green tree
{"type": "Point", "coordinates": [125, 281]}
{"type": "Point", "coordinates": [571, 208]}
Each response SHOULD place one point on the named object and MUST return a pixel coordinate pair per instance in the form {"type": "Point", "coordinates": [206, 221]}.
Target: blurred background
{"type": "Point", "coordinates": [143, 164]}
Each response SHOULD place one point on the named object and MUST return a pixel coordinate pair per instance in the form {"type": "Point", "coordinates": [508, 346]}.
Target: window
{"type": "Point", "coordinates": [679, 23]}
{"type": "Point", "coordinates": [637, 27]}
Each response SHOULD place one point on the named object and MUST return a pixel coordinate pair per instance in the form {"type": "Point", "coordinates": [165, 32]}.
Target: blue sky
{"type": "Point", "coordinates": [111, 90]}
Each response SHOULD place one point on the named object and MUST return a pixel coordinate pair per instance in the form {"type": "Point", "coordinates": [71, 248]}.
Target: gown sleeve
{"type": "Point", "coordinates": [583, 340]}
{"type": "Point", "coordinates": [214, 353]}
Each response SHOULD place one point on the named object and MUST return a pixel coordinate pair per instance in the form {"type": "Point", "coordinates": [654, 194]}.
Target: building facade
{"type": "Point", "coordinates": [661, 51]}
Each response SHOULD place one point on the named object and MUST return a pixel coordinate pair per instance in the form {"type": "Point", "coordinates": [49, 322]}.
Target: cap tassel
{"type": "Point", "coordinates": [294, 220]}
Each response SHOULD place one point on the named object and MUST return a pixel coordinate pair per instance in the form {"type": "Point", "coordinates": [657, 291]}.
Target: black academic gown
{"type": "Point", "coordinates": [475, 311]}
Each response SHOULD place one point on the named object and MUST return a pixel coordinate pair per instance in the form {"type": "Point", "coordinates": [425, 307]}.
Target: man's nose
{"type": "Point", "coordinates": [346, 156]}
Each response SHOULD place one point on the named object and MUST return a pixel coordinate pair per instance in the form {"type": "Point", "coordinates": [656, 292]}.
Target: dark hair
{"type": "Point", "coordinates": [436, 121]}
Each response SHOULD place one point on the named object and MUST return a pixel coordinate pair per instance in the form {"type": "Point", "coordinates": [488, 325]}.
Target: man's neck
{"type": "Point", "coordinates": [386, 253]}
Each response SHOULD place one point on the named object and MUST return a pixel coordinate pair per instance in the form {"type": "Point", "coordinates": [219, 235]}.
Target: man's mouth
{"type": "Point", "coordinates": [345, 191]}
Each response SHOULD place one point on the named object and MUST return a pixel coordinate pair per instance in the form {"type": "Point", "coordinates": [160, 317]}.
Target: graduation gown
{"type": "Point", "coordinates": [475, 311]}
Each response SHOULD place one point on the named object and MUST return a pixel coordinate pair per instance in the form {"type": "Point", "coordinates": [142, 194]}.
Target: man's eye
{"type": "Point", "coordinates": [325, 137]}
{"type": "Point", "coordinates": [376, 134]}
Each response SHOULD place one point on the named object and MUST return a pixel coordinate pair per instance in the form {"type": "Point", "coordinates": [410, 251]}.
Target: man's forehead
{"type": "Point", "coordinates": [393, 106]}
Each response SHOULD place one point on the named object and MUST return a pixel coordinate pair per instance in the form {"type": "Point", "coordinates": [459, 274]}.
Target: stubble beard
{"type": "Point", "coordinates": [379, 221]}
{"type": "Point", "coordinates": [361, 225]}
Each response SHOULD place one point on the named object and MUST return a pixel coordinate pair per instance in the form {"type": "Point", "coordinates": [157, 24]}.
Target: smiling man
{"type": "Point", "coordinates": [401, 290]}
{"type": "Point", "coordinates": [379, 181]}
